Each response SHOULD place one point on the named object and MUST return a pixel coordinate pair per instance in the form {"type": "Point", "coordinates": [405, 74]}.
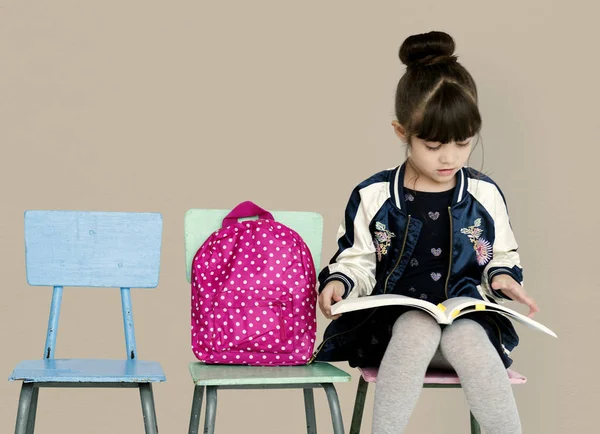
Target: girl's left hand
{"type": "Point", "coordinates": [511, 288]}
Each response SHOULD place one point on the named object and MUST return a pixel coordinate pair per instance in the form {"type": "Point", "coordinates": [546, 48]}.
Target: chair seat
{"type": "Point", "coordinates": [239, 375]}
{"type": "Point", "coordinates": [88, 371]}
{"type": "Point", "coordinates": [434, 376]}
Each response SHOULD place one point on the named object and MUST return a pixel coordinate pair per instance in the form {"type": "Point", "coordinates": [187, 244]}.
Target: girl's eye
{"type": "Point", "coordinates": [433, 148]}
{"type": "Point", "coordinates": [463, 144]}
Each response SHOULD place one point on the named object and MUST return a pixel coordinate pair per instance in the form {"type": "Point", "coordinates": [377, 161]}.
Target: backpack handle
{"type": "Point", "coordinates": [246, 209]}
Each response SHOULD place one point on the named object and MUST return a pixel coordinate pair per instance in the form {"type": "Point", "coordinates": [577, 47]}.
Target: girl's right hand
{"type": "Point", "coordinates": [331, 294]}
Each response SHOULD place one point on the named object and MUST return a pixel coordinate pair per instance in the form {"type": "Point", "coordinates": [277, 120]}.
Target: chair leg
{"type": "Point", "coordinates": [475, 428]}
{"type": "Point", "coordinates": [32, 410]}
{"type": "Point", "coordinates": [196, 408]}
{"type": "Point", "coordinates": [309, 407]}
{"type": "Point", "coordinates": [334, 407]}
{"type": "Point", "coordinates": [148, 410]}
{"type": "Point", "coordinates": [359, 405]}
{"type": "Point", "coordinates": [211, 410]}
{"type": "Point", "coordinates": [24, 407]}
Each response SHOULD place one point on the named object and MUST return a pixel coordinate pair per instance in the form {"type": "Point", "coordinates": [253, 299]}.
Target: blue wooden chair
{"type": "Point", "coordinates": [199, 224]}
{"type": "Point", "coordinates": [90, 249]}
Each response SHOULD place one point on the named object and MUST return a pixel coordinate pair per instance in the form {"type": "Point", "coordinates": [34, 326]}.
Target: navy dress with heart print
{"type": "Point", "coordinates": [426, 274]}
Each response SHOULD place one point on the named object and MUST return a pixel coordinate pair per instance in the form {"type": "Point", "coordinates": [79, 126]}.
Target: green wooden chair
{"type": "Point", "coordinates": [198, 225]}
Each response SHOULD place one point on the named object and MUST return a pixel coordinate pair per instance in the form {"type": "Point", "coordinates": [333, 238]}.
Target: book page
{"type": "Point", "coordinates": [371, 301]}
{"type": "Point", "coordinates": [523, 319]}
{"type": "Point", "coordinates": [462, 305]}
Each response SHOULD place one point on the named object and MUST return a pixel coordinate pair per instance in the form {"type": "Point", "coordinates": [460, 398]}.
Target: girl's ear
{"type": "Point", "coordinates": [400, 131]}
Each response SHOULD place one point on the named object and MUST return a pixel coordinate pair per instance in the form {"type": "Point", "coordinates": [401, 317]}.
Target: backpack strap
{"type": "Point", "coordinates": [246, 209]}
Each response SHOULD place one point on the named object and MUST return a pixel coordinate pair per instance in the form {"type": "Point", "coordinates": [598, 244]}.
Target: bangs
{"type": "Point", "coordinates": [450, 114]}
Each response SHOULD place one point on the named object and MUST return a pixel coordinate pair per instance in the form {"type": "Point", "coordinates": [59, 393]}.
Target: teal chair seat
{"type": "Point", "coordinates": [240, 376]}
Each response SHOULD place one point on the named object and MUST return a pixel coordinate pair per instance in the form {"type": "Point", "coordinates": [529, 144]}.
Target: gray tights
{"type": "Point", "coordinates": [418, 342]}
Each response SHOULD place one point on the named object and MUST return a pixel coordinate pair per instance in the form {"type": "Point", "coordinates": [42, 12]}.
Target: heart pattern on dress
{"type": "Point", "coordinates": [436, 252]}
{"type": "Point", "coordinates": [434, 215]}
{"type": "Point", "coordinates": [436, 276]}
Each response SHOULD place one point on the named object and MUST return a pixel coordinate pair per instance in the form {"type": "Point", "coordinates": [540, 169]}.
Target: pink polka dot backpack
{"type": "Point", "coordinates": [253, 293]}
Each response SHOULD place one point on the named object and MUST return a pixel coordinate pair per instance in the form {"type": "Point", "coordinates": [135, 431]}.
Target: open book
{"type": "Point", "coordinates": [444, 313]}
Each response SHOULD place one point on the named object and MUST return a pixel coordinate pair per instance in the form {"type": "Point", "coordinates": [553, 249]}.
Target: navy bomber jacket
{"type": "Point", "coordinates": [377, 238]}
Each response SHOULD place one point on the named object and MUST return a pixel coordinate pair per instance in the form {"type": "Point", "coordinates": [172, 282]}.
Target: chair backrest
{"type": "Point", "coordinates": [200, 223]}
{"type": "Point", "coordinates": [92, 249]}
{"type": "Point", "coordinates": [100, 249]}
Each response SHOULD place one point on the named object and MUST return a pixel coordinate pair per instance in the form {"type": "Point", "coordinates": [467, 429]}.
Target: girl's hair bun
{"type": "Point", "coordinates": [427, 49]}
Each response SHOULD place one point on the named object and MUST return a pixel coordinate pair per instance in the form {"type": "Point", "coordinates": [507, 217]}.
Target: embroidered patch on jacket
{"type": "Point", "coordinates": [482, 247]}
{"type": "Point", "coordinates": [383, 239]}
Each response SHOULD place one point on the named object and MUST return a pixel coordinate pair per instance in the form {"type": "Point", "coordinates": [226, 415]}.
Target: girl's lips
{"type": "Point", "coordinates": [445, 171]}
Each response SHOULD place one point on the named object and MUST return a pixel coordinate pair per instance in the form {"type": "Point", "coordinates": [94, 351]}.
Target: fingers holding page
{"type": "Point", "coordinates": [331, 294]}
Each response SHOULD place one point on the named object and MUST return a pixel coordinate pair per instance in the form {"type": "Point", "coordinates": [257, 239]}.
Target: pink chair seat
{"type": "Point", "coordinates": [434, 376]}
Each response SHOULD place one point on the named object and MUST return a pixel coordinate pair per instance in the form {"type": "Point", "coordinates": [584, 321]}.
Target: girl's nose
{"type": "Point", "coordinates": [447, 157]}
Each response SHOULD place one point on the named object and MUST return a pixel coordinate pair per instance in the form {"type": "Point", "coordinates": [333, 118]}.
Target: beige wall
{"type": "Point", "coordinates": [137, 105]}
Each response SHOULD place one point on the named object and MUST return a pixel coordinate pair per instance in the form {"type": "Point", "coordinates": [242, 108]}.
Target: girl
{"type": "Point", "coordinates": [433, 229]}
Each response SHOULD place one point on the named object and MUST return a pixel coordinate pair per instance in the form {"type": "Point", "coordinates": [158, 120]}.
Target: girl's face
{"type": "Point", "coordinates": [436, 164]}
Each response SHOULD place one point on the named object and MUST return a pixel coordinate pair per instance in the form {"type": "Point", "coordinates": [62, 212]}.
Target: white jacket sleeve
{"type": "Point", "coordinates": [505, 259]}
{"type": "Point", "coordinates": [355, 260]}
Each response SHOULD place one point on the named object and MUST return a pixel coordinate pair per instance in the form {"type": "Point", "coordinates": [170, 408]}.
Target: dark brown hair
{"type": "Point", "coordinates": [436, 98]}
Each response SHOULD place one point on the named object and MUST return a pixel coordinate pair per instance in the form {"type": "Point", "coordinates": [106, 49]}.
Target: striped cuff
{"type": "Point", "coordinates": [340, 277]}
{"type": "Point", "coordinates": [497, 271]}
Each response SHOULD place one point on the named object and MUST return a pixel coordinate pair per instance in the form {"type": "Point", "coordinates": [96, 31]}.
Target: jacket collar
{"type": "Point", "coordinates": [397, 186]}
